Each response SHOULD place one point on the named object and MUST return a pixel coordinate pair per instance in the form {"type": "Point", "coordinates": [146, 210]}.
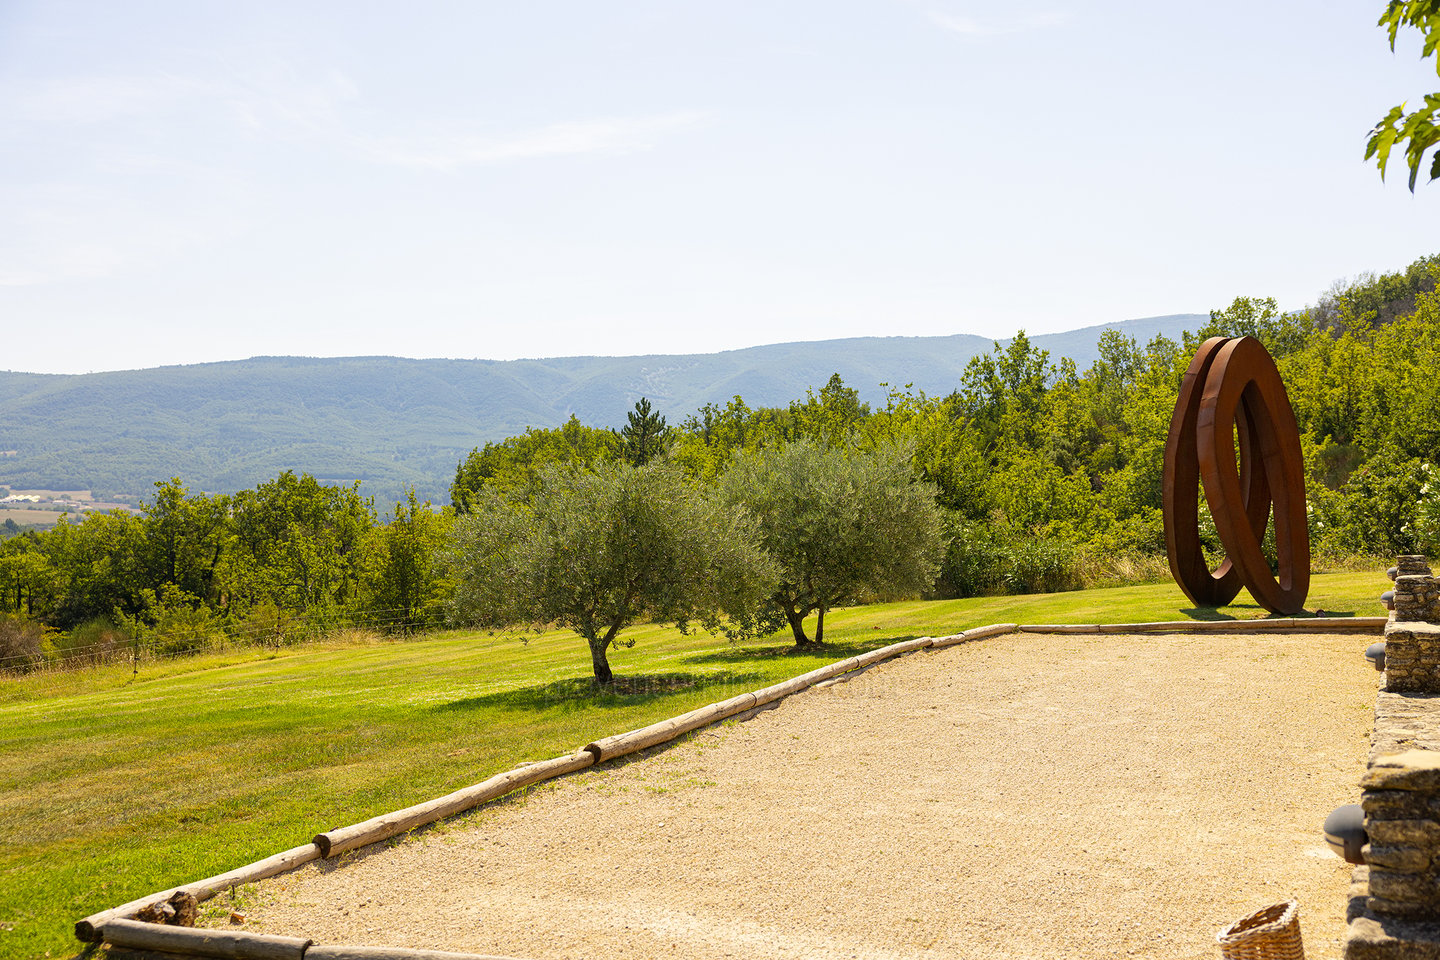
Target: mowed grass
{"type": "Point", "coordinates": [113, 786]}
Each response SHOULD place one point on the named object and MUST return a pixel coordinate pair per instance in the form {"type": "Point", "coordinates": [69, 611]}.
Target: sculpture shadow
{"type": "Point", "coordinates": [1213, 613]}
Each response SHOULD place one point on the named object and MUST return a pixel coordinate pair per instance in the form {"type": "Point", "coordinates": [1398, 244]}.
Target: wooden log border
{"type": "Point", "coordinates": [117, 928]}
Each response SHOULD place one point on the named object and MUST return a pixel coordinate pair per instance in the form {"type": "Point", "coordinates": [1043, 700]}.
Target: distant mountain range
{"type": "Point", "coordinates": [391, 422]}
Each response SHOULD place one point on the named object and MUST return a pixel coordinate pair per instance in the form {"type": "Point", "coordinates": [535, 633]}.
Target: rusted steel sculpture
{"type": "Point", "coordinates": [1232, 387]}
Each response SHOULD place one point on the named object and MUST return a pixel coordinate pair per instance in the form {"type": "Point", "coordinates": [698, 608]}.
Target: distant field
{"type": "Point", "coordinates": [24, 515]}
{"type": "Point", "coordinates": [50, 494]}
{"type": "Point", "coordinates": [46, 513]}
{"type": "Point", "coordinates": [115, 786]}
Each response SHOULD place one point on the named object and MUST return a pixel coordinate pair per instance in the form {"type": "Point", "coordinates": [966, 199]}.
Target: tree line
{"type": "Point", "coordinates": [1030, 475]}
{"type": "Point", "coordinates": [286, 559]}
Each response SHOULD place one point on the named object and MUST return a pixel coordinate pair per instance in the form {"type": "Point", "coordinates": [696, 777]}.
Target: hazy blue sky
{"type": "Point", "coordinates": [185, 181]}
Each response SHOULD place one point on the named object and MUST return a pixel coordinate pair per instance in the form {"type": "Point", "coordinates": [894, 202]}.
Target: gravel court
{"type": "Point", "coordinates": [1024, 796]}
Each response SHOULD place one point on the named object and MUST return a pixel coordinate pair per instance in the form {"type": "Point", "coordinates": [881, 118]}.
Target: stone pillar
{"type": "Point", "coordinates": [1417, 593]}
{"type": "Point", "coordinates": [1412, 637]}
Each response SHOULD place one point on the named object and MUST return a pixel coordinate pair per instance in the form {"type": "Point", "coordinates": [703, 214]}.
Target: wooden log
{"type": "Point", "coordinates": [88, 930]}
{"type": "Point", "coordinates": [1193, 626]}
{"type": "Point", "coordinates": [608, 748]}
{"type": "Point", "coordinates": [977, 633]}
{"type": "Point", "coordinates": [805, 681]}
{"type": "Point", "coordinates": [1287, 624]}
{"type": "Point", "coordinates": [1240, 626]}
{"type": "Point", "coordinates": [1150, 626]}
{"type": "Point", "coordinates": [188, 941]}
{"type": "Point", "coordinates": [282, 862]}
{"type": "Point", "coordinates": [893, 650]}
{"type": "Point", "coordinates": [344, 839]}
{"type": "Point", "coordinates": [1340, 624]}
{"type": "Point", "coordinates": [391, 953]}
{"type": "Point", "coordinates": [1059, 628]}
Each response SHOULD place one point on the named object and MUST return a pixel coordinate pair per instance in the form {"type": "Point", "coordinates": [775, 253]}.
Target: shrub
{"type": "Point", "coordinates": [973, 564]}
{"type": "Point", "coordinates": [1099, 568]}
{"type": "Point", "coordinates": [265, 624]}
{"type": "Point", "coordinates": [173, 623]}
{"type": "Point", "coordinates": [20, 643]}
{"type": "Point", "coordinates": [95, 641]}
{"type": "Point", "coordinates": [1041, 565]}
{"type": "Point", "coordinates": [983, 561]}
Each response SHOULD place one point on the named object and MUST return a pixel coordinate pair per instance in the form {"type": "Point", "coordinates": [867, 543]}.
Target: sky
{"type": "Point", "coordinates": [185, 181]}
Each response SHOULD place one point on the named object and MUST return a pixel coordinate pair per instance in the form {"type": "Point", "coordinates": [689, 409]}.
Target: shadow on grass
{"type": "Point", "coordinates": [827, 651]}
{"type": "Point", "coordinates": [1213, 613]}
{"type": "Point", "coordinates": [577, 693]}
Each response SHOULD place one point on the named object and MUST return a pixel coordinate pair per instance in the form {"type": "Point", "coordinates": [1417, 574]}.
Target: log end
{"type": "Point", "coordinates": [322, 841]}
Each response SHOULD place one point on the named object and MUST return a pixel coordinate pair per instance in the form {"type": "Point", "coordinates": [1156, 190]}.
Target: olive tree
{"type": "Point", "coordinates": [599, 551]}
{"type": "Point", "coordinates": [843, 525]}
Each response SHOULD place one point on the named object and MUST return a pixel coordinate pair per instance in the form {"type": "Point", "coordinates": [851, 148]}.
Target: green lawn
{"type": "Point", "coordinates": [113, 786]}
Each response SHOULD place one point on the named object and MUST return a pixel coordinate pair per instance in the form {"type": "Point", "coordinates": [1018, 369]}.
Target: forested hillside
{"type": "Point", "coordinates": [1026, 475]}
{"type": "Point", "coordinates": [393, 423]}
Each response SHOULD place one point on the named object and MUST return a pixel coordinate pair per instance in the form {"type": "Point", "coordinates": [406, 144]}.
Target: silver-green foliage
{"type": "Point", "coordinates": [845, 525]}
{"type": "Point", "coordinates": [599, 551]}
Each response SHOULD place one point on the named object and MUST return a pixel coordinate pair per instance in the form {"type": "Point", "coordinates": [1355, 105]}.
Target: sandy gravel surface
{"type": "Point", "coordinates": [1023, 796]}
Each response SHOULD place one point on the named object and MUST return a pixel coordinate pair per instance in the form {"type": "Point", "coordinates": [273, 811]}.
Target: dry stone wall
{"type": "Point", "coordinates": [1412, 637]}
{"type": "Point", "coordinates": [1395, 901]}
{"type": "Point", "coordinates": [1413, 634]}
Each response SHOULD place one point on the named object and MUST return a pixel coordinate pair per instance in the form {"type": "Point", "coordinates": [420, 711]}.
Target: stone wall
{"type": "Point", "coordinates": [1395, 900]}
{"type": "Point", "coordinates": [1401, 800]}
{"type": "Point", "coordinates": [1417, 593]}
{"type": "Point", "coordinates": [1412, 637]}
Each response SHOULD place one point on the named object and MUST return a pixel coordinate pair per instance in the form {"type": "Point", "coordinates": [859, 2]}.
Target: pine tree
{"type": "Point", "coordinates": [643, 438]}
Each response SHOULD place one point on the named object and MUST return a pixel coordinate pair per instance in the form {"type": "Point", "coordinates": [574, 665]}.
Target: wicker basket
{"type": "Point", "coordinates": [1269, 934]}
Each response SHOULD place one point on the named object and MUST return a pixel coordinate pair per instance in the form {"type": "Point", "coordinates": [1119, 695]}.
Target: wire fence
{"type": "Point", "coordinates": [46, 650]}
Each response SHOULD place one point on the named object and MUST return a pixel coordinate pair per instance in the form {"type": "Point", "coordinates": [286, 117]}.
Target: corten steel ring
{"type": "Point", "coordinates": [1232, 386]}
{"type": "Point", "coordinates": [1182, 491]}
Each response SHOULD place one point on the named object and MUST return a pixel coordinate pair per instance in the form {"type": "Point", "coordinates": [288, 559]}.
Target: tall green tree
{"type": "Point", "coordinates": [29, 582]}
{"type": "Point", "coordinates": [299, 543]}
{"type": "Point", "coordinates": [101, 566]}
{"type": "Point", "coordinates": [831, 417]}
{"type": "Point", "coordinates": [512, 464]}
{"type": "Point", "coordinates": [644, 436]}
{"type": "Point", "coordinates": [185, 540]}
{"type": "Point", "coordinates": [407, 583]}
{"type": "Point", "coordinates": [1261, 318]}
{"type": "Point", "coordinates": [843, 525]}
{"type": "Point", "coordinates": [599, 551]}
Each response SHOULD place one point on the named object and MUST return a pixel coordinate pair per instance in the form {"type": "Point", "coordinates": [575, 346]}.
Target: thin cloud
{"type": "Point", "coordinates": [274, 101]}
{"type": "Point", "coordinates": [971, 27]}
{"type": "Point", "coordinates": [80, 100]}
{"type": "Point", "coordinates": [613, 136]}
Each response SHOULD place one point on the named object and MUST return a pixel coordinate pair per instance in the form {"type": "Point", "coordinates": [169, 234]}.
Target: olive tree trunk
{"type": "Point", "coordinates": [795, 616]}
{"type": "Point", "coordinates": [599, 661]}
